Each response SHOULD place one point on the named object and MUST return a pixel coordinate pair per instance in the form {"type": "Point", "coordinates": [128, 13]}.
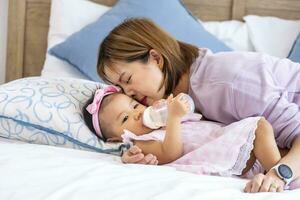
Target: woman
{"type": "Point", "coordinates": [148, 64]}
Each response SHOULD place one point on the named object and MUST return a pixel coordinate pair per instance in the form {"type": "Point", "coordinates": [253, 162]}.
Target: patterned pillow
{"type": "Point", "coordinates": [49, 111]}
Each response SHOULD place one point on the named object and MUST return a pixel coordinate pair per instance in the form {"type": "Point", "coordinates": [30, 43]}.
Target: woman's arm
{"type": "Point", "coordinates": [291, 159]}
{"type": "Point", "coordinates": [285, 119]}
{"type": "Point", "coordinates": [270, 93]}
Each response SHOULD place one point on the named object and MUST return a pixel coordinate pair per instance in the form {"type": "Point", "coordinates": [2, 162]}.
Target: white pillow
{"type": "Point", "coordinates": [49, 111]}
{"type": "Point", "coordinates": [66, 18]}
{"type": "Point", "coordinates": [272, 35]}
{"type": "Point", "coordinates": [233, 33]}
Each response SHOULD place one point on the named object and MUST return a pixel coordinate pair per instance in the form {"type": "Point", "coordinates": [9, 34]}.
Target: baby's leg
{"type": "Point", "coordinates": [265, 147]}
{"type": "Point", "coordinates": [283, 152]}
{"type": "Point", "coordinates": [250, 163]}
{"type": "Point", "coordinates": [252, 159]}
{"type": "Point", "coordinates": [267, 153]}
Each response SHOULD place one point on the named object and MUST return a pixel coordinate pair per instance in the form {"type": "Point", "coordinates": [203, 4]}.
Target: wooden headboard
{"type": "Point", "coordinates": [29, 22]}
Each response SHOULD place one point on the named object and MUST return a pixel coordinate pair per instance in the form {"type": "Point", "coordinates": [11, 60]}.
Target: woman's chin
{"type": "Point", "coordinates": [149, 102]}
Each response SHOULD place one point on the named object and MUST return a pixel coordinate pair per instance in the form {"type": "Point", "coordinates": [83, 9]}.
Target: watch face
{"type": "Point", "coordinates": [285, 171]}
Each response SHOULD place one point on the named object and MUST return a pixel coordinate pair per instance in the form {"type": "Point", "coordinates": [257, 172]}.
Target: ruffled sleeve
{"type": "Point", "coordinates": [128, 136]}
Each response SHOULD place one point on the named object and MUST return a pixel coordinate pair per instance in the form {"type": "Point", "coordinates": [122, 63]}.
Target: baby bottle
{"type": "Point", "coordinates": [156, 116]}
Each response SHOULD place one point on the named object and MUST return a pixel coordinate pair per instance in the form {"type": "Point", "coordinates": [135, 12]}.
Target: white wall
{"type": "Point", "coordinates": [3, 37]}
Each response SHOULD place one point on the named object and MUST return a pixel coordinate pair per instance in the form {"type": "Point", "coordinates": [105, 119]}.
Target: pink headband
{"type": "Point", "coordinates": [94, 107]}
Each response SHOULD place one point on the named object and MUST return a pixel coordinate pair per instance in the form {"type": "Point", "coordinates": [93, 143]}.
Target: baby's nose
{"type": "Point", "coordinates": [137, 115]}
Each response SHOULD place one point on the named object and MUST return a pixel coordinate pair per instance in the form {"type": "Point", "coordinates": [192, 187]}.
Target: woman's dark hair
{"type": "Point", "coordinates": [132, 41]}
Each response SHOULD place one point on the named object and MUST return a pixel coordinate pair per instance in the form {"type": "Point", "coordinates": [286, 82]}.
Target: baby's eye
{"type": "Point", "coordinates": [135, 106]}
{"type": "Point", "coordinates": [125, 119]}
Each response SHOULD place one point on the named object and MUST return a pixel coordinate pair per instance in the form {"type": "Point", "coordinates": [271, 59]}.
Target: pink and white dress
{"type": "Point", "coordinates": [209, 147]}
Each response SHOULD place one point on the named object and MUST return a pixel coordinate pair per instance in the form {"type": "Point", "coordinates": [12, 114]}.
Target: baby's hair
{"type": "Point", "coordinates": [133, 39]}
{"type": "Point", "coordinates": [87, 117]}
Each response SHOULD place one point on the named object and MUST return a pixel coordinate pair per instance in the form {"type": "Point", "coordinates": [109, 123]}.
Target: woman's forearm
{"type": "Point", "coordinates": [292, 158]}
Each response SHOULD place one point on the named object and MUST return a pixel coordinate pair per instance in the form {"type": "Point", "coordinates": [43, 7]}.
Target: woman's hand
{"type": "Point", "coordinates": [134, 155]}
{"type": "Point", "coordinates": [265, 183]}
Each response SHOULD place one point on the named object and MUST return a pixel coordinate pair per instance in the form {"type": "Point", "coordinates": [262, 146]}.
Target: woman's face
{"type": "Point", "coordinates": [139, 80]}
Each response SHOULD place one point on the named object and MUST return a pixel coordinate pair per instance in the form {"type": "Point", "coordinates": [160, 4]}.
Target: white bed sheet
{"type": "Point", "coordinates": [32, 172]}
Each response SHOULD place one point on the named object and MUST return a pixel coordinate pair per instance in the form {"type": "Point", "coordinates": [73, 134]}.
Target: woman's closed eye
{"type": "Point", "coordinates": [129, 79]}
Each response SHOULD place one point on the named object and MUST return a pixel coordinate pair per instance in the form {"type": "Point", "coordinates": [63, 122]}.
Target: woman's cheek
{"type": "Point", "coordinates": [149, 102]}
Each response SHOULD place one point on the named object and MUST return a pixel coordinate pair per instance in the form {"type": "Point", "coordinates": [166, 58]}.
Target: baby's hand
{"type": "Point", "coordinates": [135, 155]}
{"type": "Point", "coordinates": [158, 103]}
{"type": "Point", "coordinates": [178, 106]}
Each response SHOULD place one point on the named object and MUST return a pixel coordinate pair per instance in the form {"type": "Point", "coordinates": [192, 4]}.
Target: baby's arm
{"type": "Point", "coordinates": [171, 148]}
{"type": "Point", "coordinates": [265, 147]}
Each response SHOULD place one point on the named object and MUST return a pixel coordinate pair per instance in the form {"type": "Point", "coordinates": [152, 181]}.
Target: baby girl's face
{"type": "Point", "coordinates": [125, 113]}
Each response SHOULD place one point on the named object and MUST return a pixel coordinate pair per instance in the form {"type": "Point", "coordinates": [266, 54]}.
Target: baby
{"type": "Point", "coordinates": [243, 148]}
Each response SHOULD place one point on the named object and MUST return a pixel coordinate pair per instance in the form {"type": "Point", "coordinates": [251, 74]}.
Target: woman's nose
{"type": "Point", "coordinates": [128, 91]}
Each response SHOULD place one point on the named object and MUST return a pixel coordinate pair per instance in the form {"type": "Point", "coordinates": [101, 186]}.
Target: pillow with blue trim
{"type": "Point", "coordinates": [49, 111]}
{"type": "Point", "coordinates": [295, 51]}
{"type": "Point", "coordinates": [81, 48]}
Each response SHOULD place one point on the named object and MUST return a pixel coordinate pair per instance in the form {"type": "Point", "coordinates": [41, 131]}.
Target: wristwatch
{"type": "Point", "coordinates": [284, 172]}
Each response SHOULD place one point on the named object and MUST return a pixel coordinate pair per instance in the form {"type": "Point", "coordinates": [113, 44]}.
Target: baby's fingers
{"type": "Point", "coordinates": [129, 158]}
{"type": "Point", "coordinates": [169, 99]}
{"type": "Point", "coordinates": [134, 150]}
{"type": "Point", "coordinates": [156, 103]}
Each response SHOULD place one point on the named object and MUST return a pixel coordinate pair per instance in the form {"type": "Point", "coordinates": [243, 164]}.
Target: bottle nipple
{"type": "Point", "coordinates": [148, 120]}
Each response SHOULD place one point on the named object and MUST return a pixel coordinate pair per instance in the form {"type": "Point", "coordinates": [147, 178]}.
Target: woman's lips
{"type": "Point", "coordinates": [144, 100]}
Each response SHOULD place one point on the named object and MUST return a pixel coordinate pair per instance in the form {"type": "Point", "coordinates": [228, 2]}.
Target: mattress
{"type": "Point", "coordinates": [32, 172]}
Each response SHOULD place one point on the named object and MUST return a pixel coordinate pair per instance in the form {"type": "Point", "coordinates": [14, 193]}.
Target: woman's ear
{"type": "Point", "coordinates": [114, 139]}
{"type": "Point", "coordinates": [156, 57]}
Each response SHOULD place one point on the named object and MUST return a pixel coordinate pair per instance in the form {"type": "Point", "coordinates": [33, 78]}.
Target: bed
{"type": "Point", "coordinates": [31, 171]}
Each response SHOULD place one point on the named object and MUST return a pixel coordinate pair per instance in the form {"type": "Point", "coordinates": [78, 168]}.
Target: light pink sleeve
{"type": "Point", "coordinates": [271, 90]}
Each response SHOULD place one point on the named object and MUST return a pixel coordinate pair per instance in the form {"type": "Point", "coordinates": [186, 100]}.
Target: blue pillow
{"type": "Point", "coordinates": [295, 52]}
{"type": "Point", "coordinates": [81, 48]}
{"type": "Point", "coordinates": [49, 111]}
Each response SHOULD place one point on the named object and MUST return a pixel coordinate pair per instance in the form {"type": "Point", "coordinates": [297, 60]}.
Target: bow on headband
{"type": "Point", "coordinates": [94, 107]}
